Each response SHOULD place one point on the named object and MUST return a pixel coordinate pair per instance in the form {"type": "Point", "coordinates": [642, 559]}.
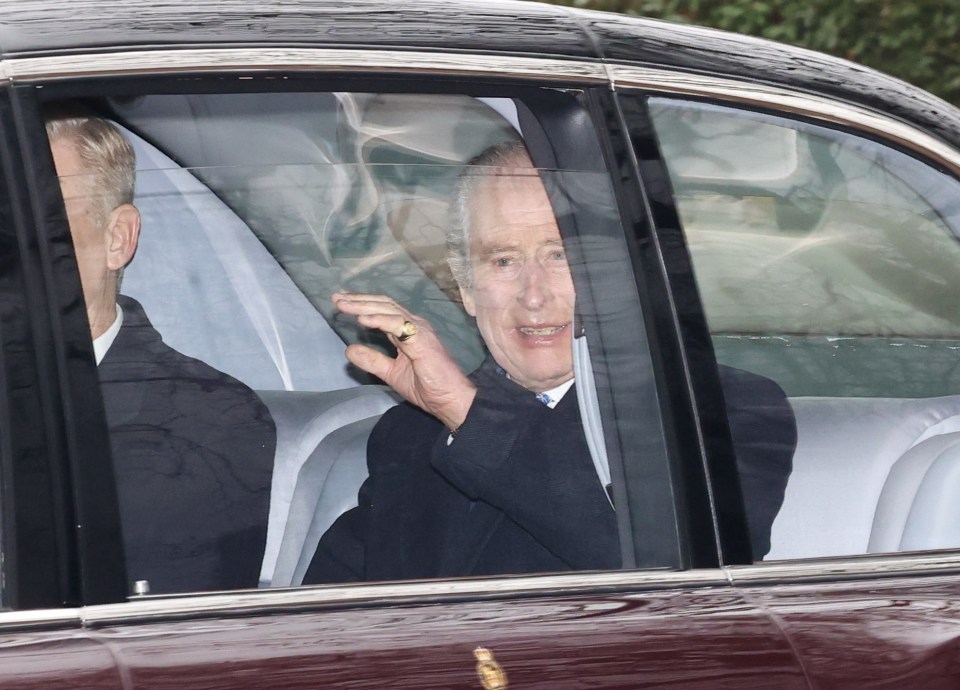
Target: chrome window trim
{"type": "Point", "coordinates": [253, 602]}
{"type": "Point", "coordinates": [387, 594]}
{"type": "Point", "coordinates": [848, 568]}
{"type": "Point", "coordinates": [790, 102]}
{"type": "Point", "coordinates": [158, 62]}
{"type": "Point", "coordinates": [40, 618]}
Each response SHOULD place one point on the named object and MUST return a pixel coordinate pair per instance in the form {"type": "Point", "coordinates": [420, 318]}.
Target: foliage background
{"type": "Point", "coordinates": [915, 40]}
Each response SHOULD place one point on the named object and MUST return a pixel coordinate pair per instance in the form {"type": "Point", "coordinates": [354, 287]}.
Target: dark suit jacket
{"type": "Point", "coordinates": [764, 432]}
{"type": "Point", "coordinates": [193, 458]}
{"type": "Point", "coordinates": [516, 491]}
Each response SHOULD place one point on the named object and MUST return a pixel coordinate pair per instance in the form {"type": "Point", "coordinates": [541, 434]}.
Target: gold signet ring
{"type": "Point", "coordinates": [408, 331]}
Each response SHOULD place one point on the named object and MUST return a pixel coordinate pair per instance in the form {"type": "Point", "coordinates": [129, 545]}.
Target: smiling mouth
{"type": "Point", "coordinates": [548, 330]}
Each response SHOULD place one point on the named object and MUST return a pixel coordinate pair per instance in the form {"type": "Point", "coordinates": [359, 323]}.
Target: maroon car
{"type": "Point", "coordinates": [731, 205]}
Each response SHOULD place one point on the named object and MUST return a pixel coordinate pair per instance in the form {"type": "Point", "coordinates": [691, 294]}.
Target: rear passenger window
{"type": "Point", "coordinates": [240, 431]}
{"type": "Point", "coordinates": [830, 263]}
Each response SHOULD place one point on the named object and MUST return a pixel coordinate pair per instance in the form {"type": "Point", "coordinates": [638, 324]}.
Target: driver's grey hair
{"type": "Point", "coordinates": [496, 161]}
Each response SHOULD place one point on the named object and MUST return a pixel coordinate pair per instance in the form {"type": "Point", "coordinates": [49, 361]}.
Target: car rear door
{"type": "Point", "coordinates": [603, 630]}
{"type": "Point", "coordinates": [655, 622]}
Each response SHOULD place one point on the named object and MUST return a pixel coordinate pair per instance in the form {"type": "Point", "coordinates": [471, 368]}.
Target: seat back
{"type": "Point", "coordinates": [305, 422]}
{"type": "Point", "coordinates": [326, 488]}
{"type": "Point", "coordinates": [919, 507]}
{"type": "Point", "coordinates": [857, 475]}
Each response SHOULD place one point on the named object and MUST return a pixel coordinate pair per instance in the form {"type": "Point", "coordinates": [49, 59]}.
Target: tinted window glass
{"type": "Point", "coordinates": [830, 263]}
{"type": "Point", "coordinates": [241, 436]}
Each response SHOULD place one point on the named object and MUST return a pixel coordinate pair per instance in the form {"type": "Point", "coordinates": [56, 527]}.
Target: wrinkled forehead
{"type": "Point", "coordinates": [512, 208]}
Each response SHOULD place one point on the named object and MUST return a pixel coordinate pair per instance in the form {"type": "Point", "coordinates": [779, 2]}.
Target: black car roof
{"type": "Point", "coordinates": [44, 27]}
{"type": "Point", "coordinates": [35, 28]}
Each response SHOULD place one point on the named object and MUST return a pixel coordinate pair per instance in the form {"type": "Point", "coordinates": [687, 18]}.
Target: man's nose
{"type": "Point", "coordinates": [534, 285]}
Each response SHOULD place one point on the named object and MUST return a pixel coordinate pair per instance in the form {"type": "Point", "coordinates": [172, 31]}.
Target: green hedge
{"type": "Point", "coordinates": [914, 40]}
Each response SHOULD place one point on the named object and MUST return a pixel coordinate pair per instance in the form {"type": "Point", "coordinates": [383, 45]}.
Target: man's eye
{"type": "Point", "coordinates": [559, 255]}
{"type": "Point", "coordinates": [502, 261]}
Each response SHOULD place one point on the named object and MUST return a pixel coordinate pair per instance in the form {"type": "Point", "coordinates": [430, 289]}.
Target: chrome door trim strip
{"type": "Point", "coordinates": [254, 602]}
{"type": "Point", "coordinates": [788, 101]}
{"type": "Point", "coordinates": [158, 62]}
{"type": "Point", "coordinates": [41, 619]}
{"type": "Point", "coordinates": [854, 567]}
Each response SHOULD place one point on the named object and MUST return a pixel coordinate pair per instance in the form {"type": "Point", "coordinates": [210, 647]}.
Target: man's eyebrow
{"type": "Point", "coordinates": [494, 249]}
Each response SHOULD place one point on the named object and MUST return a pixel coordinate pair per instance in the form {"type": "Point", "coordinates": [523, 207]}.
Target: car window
{"type": "Point", "coordinates": [829, 263]}
{"type": "Point", "coordinates": [238, 428]}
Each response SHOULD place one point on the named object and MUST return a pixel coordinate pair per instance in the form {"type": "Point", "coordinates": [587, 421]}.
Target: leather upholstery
{"type": "Point", "coordinates": [319, 466]}
{"type": "Point", "coordinates": [863, 477]}
{"type": "Point", "coordinates": [919, 507]}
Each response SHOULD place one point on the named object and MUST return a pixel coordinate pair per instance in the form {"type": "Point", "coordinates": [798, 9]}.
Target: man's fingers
{"type": "Point", "coordinates": [358, 303]}
{"type": "Point", "coordinates": [371, 361]}
{"type": "Point", "coordinates": [361, 307]}
{"type": "Point", "coordinates": [344, 296]}
{"type": "Point", "coordinates": [394, 324]}
{"type": "Point", "coordinates": [380, 312]}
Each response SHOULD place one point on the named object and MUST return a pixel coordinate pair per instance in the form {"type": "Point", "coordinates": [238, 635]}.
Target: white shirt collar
{"type": "Point", "coordinates": [556, 394]}
{"type": "Point", "coordinates": [103, 342]}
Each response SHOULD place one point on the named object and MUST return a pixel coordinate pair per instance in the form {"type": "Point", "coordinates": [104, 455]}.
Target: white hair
{"type": "Point", "coordinates": [496, 161]}
{"type": "Point", "coordinates": [105, 153]}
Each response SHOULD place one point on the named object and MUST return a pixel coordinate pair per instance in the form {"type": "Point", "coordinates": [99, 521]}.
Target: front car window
{"type": "Point", "coordinates": [828, 262]}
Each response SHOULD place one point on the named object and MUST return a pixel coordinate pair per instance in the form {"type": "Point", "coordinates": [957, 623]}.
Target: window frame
{"type": "Point", "coordinates": [46, 381]}
{"type": "Point", "coordinates": [597, 106]}
{"type": "Point", "coordinates": [635, 85]}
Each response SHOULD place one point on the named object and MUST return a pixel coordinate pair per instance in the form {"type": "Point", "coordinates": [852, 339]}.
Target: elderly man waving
{"type": "Point", "coordinates": [488, 473]}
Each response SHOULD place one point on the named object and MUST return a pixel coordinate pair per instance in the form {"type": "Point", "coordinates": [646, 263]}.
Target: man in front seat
{"type": "Point", "coordinates": [192, 447]}
{"type": "Point", "coordinates": [490, 473]}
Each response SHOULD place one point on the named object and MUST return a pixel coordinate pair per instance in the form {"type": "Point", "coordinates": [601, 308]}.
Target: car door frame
{"type": "Point", "coordinates": [646, 252]}
{"type": "Point", "coordinates": [479, 75]}
{"type": "Point", "coordinates": [53, 532]}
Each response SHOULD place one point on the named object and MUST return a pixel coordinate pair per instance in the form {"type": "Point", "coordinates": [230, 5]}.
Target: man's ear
{"type": "Point", "coordinates": [124, 229]}
{"type": "Point", "coordinates": [466, 296]}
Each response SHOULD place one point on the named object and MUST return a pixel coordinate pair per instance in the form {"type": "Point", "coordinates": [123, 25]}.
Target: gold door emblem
{"type": "Point", "coordinates": [491, 674]}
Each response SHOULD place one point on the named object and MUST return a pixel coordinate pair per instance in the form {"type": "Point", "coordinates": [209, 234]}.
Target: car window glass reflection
{"type": "Point", "coordinates": [329, 408]}
{"type": "Point", "coordinates": [279, 300]}
{"type": "Point", "coordinates": [192, 447]}
{"type": "Point", "coordinates": [260, 242]}
{"type": "Point", "coordinates": [830, 263]}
